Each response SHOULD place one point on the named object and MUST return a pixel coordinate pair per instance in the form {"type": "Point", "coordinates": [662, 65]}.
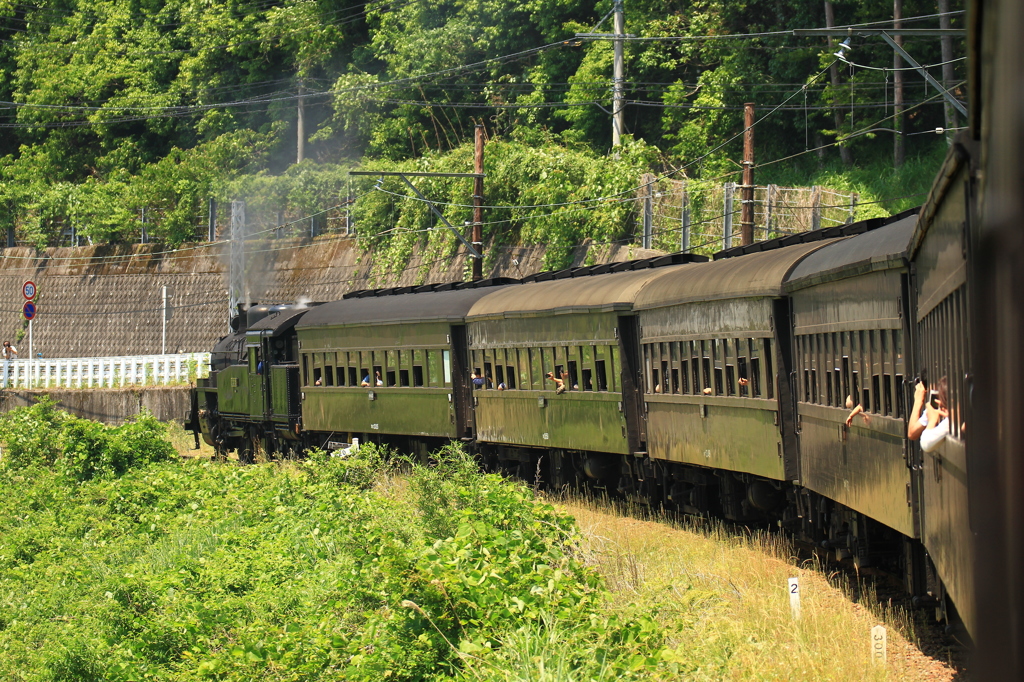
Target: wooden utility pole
{"type": "Point", "coordinates": [478, 202]}
{"type": "Point", "coordinates": [833, 72]}
{"type": "Point", "coordinates": [897, 83]}
{"type": "Point", "coordinates": [747, 195]}
{"type": "Point", "coordinates": [946, 43]}
{"type": "Point", "coordinates": [618, 75]}
{"type": "Point", "coordinates": [300, 133]}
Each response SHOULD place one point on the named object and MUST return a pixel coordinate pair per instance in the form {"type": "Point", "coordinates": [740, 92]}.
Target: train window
{"type": "Point", "coordinates": [755, 368]}
{"type": "Point", "coordinates": [434, 371]}
{"type": "Point", "coordinates": [899, 388]}
{"type": "Point", "coordinates": [666, 384]}
{"type": "Point", "coordinates": [317, 379]}
{"type": "Point", "coordinates": [587, 368]}
{"type": "Point", "coordinates": [837, 371]}
{"type": "Point", "coordinates": [602, 375]}
{"type": "Point", "coordinates": [547, 365]}
{"type": "Point", "coordinates": [729, 360]}
{"type": "Point", "coordinates": [353, 376]}
{"type": "Point", "coordinates": [499, 375]}
{"type": "Point", "coordinates": [743, 372]}
{"type": "Point", "coordinates": [615, 381]}
{"type": "Point", "coordinates": [769, 371]}
{"type": "Point", "coordinates": [378, 376]}
{"type": "Point", "coordinates": [537, 369]}
{"type": "Point", "coordinates": [305, 369]}
{"type": "Point", "coordinates": [656, 376]}
{"type": "Point", "coordinates": [684, 370]}
{"type": "Point", "coordinates": [717, 351]}
{"type": "Point", "coordinates": [695, 365]}
{"type": "Point", "coordinates": [522, 368]}
{"type": "Point", "coordinates": [403, 377]}
{"type": "Point", "coordinates": [510, 375]}
{"type": "Point", "coordinates": [446, 367]}
{"type": "Point", "coordinates": [329, 360]}
{"type": "Point", "coordinates": [826, 368]}
{"type": "Point", "coordinates": [574, 381]}
{"type": "Point", "coordinates": [648, 376]}
{"type": "Point", "coordinates": [488, 374]}
{"type": "Point", "coordinates": [705, 351]}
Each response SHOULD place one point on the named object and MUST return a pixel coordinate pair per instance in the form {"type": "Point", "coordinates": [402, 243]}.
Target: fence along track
{"type": "Point", "coordinates": [702, 217]}
{"type": "Point", "coordinates": [109, 372]}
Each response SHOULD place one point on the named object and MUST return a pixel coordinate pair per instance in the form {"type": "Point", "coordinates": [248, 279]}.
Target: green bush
{"type": "Point", "coordinates": [193, 570]}
{"type": "Point", "coordinates": [43, 435]}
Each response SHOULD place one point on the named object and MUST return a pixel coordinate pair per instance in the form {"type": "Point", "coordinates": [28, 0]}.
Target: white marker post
{"type": "Point", "coordinates": [879, 645]}
{"type": "Point", "coordinates": [794, 597]}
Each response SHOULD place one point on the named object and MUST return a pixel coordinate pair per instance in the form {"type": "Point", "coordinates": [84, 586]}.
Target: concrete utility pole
{"type": "Point", "coordinates": [300, 132]}
{"type": "Point", "coordinates": [898, 152]}
{"type": "Point", "coordinates": [618, 75]}
{"type": "Point", "coordinates": [833, 72]}
{"type": "Point", "coordinates": [946, 43]}
{"type": "Point", "coordinates": [212, 220]}
{"type": "Point", "coordinates": [747, 196]}
{"type": "Point", "coordinates": [478, 202]}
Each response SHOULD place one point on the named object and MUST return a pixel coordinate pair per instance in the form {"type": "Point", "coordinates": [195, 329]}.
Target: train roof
{"type": "Point", "coordinates": [581, 294]}
{"type": "Point", "coordinates": [880, 249]}
{"type": "Point", "coordinates": [749, 276]}
{"type": "Point", "coordinates": [452, 305]}
{"type": "Point", "coordinates": [280, 321]}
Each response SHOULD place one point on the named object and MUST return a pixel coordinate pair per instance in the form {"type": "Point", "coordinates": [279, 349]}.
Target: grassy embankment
{"type": "Point", "coordinates": [121, 561]}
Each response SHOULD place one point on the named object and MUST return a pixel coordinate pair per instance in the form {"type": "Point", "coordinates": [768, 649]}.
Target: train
{"type": "Point", "coordinates": [771, 384]}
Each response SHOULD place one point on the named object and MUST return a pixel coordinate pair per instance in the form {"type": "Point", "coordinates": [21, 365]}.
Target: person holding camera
{"type": "Point", "coordinates": [929, 420]}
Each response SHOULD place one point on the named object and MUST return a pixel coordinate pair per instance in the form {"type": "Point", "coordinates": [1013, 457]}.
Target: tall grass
{"type": "Point", "coordinates": [721, 599]}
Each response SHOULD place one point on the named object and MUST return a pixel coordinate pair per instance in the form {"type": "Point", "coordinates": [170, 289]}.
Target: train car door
{"type": "Point", "coordinates": [462, 396]}
{"type": "Point", "coordinates": [632, 394]}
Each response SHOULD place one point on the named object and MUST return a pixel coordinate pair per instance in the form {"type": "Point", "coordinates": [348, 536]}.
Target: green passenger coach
{"type": "Point", "coordinates": [392, 365]}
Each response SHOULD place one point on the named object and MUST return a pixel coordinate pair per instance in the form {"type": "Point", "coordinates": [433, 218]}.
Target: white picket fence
{"type": "Point", "coordinates": [114, 372]}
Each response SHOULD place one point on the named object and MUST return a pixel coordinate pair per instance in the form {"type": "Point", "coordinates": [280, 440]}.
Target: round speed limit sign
{"type": "Point", "coordinates": [28, 290]}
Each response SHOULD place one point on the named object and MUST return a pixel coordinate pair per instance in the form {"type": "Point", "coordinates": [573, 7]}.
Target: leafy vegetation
{"type": "Point", "coordinates": [331, 569]}
{"type": "Point", "coordinates": [122, 106]}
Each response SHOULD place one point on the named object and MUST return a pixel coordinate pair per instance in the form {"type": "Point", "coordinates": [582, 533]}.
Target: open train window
{"type": "Point", "coordinates": [305, 369]}
{"type": "Point", "coordinates": [706, 364]}
{"type": "Point", "coordinates": [695, 365]}
{"type": "Point", "coordinates": [755, 367]}
{"type": "Point", "coordinates": [403, 377]}
{"type": "Point", "coordinates": [684, 376]}
{"type": "Point", "coordinates": [656, 381]}
{"type": "Point", "coordinates": [488, 376]}
{"type": "Point", "coordinates": [353, 376]}
{"type": "Point", "coordinates": [602, 375]}
{"type": "Point", "coordinates": [328, 371]}
{"type": "Point", "coordinates": [665, 384]}
{"type": "Point", "coordinates": [769, 370]}
{"type": "Point", "coordinates": [510, 376]}
{"type": "Point", "coordinates": [317, 378]}
{"type": "Point", "coordinates": [588, 380]}
{"type": "Point", "coordinates": [417, 375]}
{"type": "Point", "coordinates": [743, 371]}
{"type": "Point", "coordinates": [574, 382]}
{"type": "Point", "coordinates": [887, 393]}
{"type": "Point", "coordinates": [499, 375]}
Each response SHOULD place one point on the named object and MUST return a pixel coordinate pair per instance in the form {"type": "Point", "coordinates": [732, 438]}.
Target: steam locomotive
{"type": "Point", "coordinates": [719, 386]}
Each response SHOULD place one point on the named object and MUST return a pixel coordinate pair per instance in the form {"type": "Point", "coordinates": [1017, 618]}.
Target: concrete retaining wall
{"type": "Point", "coordinates": [107, 300]}
{"type": "Point", "coordinates": [108, 405]}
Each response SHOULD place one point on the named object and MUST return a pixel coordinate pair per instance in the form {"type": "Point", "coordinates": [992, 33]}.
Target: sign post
{"type": "Point", "coordinates": [29, 291]}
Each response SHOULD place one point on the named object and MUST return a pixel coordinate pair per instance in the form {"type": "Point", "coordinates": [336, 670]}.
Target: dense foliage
{"type": "Point", "coordinates": [117, 106]}
{"type": "Point", "coordinates": [325, 570]}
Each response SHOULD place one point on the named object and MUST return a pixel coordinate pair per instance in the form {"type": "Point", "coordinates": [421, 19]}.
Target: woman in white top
{"type": "Point", "coordinates": [930, 425]}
